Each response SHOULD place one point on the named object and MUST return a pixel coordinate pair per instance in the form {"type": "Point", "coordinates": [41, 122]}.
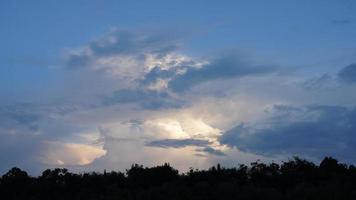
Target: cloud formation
{"type": "Point", "coordinates": [133, 97]}
{"type": "Point", "coordinates": [147, 99]}
{"type": "Point", "coordinates": [212, 151]}
{"type": "Point", "coordinates": [123, 43]}
{"type": "Point", "coordinates": [154, 63]}
{"type": "Point", "coordinates": [348, 74]}
{"type": "Point", "coordinates": [313, 131]}
{"type": "Point", "coordinates": [225, 67]}
{"type": "Point", "coordinates": [178, 143]}
{"type": "Point", "coordinates": [20, 115]}
{"type": "Point", "coordinates": [202, 147]}
{"type": "Point", "coordinates": [131, 58]}
{"type": "Point", "coordinates": [69, 154]}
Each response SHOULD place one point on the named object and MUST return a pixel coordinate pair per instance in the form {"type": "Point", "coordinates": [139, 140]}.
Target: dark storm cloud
{"type": "Point", "coordinates": [313, 131]}
{"type": "Point", "coordinates": [348, 73]}
{"type": "Point", "coordinates": [181, 143]}
{"type": "Point", "coordinates": [178, 143]}
{"type": "Point", "coordinates": [212, 151]}
{"type": "Point", "coordinates": [224, 67]}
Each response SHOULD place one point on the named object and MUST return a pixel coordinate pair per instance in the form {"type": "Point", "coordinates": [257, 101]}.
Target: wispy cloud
{"type": "Point", "coordinates": [212, 151]}
{"type": "Point", "coordinates": [178, 143]}
{"type": "Point", "coordinates": [341, 21]}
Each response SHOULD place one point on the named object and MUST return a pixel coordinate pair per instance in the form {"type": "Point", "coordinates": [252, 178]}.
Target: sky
{"type": "Point", "coordinates": [93, 85]}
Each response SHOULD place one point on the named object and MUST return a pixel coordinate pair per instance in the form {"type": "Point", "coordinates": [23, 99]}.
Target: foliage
{"type": "Point", "coordinates": [296, 179]}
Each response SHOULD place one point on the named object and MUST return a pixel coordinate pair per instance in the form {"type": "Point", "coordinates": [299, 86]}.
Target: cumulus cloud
{"type": "Point", "coordinates": [154, 63]}
{"type": "Point", "coordinates": [127, 55]}
{"type": "Point", "coordinates": [313, 131]}
{"type": "Point", "coordinates": [139, 67]}
{"type": "Point", "coordinates": [121, 43]}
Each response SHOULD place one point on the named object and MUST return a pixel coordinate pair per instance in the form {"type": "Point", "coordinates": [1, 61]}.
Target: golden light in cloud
{"type": "Point", "coordinates": [167, 128]}
{"type": "Point", "coordinates": [186, 126]}
{"type": "Point", "coordinates": [126, 140]}
{"type": "Point", "coordinates": [58, 153]}
{"type": "Point", "coordinates": [181, 125]}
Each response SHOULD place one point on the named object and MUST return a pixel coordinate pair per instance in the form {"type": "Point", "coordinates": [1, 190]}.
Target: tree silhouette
{"type": "Point", "coordinates": [294, 179]}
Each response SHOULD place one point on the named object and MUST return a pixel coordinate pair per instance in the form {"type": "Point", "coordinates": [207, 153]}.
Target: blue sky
{"type": "Point", "coordinates": [189, 82]}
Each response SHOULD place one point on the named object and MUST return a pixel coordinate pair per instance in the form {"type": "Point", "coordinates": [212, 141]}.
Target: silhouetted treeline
{"type": "Point", "coordinates": [295, 179]}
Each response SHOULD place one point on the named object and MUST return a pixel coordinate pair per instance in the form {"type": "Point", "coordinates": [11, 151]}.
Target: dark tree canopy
{"type": "Point", "coordinates": [295, 179]}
